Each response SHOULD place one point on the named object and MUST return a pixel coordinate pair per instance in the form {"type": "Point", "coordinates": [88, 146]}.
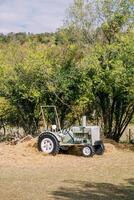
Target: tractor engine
{"type": "Point", "coordinates": [86, 134]}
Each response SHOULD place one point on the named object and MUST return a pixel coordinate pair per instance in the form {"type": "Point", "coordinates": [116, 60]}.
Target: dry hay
{"type": "Point", "coordinates": [26, 138]}
{"type": "Point", "coordinates": [22, 173]}
{"type": "Point", "coordinates": [32, 143]}
{"type": "Point", "coordinates": [27, 147]}
{"type": "Point", "coordinates": [109, 148]}
{"type": "Point", "coordinates": [74, 150]}
{"type": "Point", "coordinates": [29, 144]}
{"type": "Point", "coordinates": [119, 146]}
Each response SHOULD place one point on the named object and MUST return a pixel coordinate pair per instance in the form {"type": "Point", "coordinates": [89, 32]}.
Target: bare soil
{"type": "Point", "coordinates": [26, 174]}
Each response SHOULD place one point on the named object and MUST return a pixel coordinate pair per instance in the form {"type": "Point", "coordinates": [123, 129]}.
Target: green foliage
{"type": "Point", "coordinates": [110, 68]}
{"type": "Point", "coordinates": [6, 110]}
{"type": "Point", "coordinates": [109, 64]}
{"type": "Point", "coordinates": [86, 67]}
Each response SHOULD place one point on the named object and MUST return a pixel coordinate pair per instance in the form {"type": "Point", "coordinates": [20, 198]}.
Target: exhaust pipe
{"type": "Point", "coordinates": [84, 121]}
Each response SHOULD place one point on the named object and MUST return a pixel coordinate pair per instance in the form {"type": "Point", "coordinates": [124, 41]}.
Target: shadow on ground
{"type": "Point", "coordinates": [95, 191]}
{"type": "Point", "coordinates": [74, 151]}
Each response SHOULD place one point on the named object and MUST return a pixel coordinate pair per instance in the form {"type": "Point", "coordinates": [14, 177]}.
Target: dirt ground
{"type": "Point", "coordinates": [26, 174]}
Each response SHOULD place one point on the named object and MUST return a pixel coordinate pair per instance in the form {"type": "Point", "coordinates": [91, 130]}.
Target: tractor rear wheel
{"type": "Point", "coordinates": [48, 144]}
{"type": "Point", "coordinates": [87, 151]}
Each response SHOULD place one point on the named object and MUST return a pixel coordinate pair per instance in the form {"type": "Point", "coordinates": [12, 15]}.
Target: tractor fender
{"type": "Point", "coordinates": [55, 135]}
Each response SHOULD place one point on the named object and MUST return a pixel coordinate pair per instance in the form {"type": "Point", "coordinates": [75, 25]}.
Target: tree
{"type": "Point", "coordinates": [7, 114]}
{"type": "Point", "coordinates": [110, 68]}
{"type": "Point", "coordinates": [110, 59]}
{"type": "Point", "coordinates": [67, 84]}
{"type": "Point", "coordinates": [90, 18]}
{"type": "Point", "coordinates": [24, 82]}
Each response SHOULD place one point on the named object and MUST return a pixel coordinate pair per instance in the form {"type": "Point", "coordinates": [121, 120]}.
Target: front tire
{"type": "Point", "coordinates": [99, 149]}
{"type": "Point", "coordinates": [48, 144]}
{"type": "Point", "coordinates": [87, 151]}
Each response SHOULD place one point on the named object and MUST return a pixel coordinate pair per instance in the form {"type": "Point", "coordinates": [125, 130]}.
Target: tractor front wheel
{"type": "Point", "coordinates": [99, 149]}
{"type": "Point", "coordinates": [87, 151]}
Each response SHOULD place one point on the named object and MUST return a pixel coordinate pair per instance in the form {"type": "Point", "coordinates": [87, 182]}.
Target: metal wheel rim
{"type": "Point", "coordinates": [47, 145]}
{"type": "Point", "coordinates": [86, 151]}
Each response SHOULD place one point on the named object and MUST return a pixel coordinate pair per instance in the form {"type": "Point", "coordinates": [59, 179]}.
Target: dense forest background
{"type": "Point", "coordinates": [85, 67]}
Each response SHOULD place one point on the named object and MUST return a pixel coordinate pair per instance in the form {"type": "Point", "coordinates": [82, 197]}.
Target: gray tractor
{"type": "Point", "coordinates": [53, 138]}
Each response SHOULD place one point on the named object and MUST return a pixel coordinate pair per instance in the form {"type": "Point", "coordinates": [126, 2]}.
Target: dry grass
{"type": "Point", "coordinates": [26, 174]}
